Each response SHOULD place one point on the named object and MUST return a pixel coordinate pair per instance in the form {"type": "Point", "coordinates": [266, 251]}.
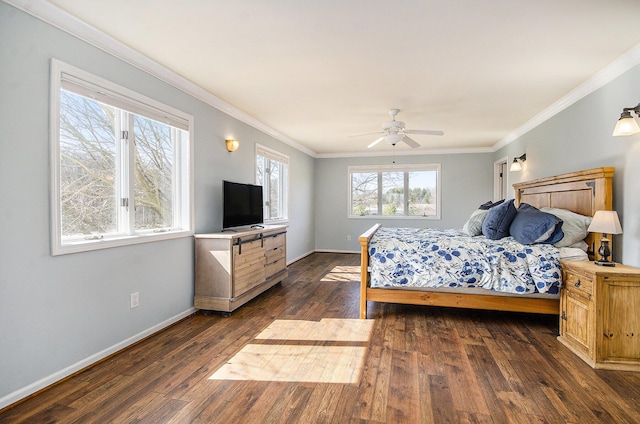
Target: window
{"type": "Point", "coordinates": [120, 165]}
{"type": "Point", "coordinates": [398, 191]}
{"type": "Point", "coordinates": [272, 173]}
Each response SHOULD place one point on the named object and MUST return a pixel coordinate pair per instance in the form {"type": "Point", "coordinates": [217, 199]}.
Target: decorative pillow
{"type": "Point", "coordinates": [498, 220]}
{"type": "Point", "coordinates": [574, 227]}
{"type": "Point", "coordinates": [473, 226]}
{"type": "Point", "coordinates": [531, 226]}
{"type": "Point", "coordinates": [488, 205]}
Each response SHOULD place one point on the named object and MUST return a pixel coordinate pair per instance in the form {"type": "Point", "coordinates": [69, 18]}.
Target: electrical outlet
{"type": "Point", "coordinates": [135, 300]}
{"type": "Point", "coordinates": [349, 238]}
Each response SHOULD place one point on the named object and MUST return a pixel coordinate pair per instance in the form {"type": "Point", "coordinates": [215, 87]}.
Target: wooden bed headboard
{"type": "Point", "coordinates": [583, 192]}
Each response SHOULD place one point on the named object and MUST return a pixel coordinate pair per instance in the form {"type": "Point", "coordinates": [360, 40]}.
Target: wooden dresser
{"type": "Point", "coordinates": [600, 314]}
{"type": "Point", "coordinates": [234, 267]}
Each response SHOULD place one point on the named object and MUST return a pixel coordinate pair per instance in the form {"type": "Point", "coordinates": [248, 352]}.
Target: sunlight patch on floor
{"type": "Point", "coordinates": [327, 329]}
{"type": "Point", "coordinates": [343, 273]}
{"type": "Point", "coordinates": [319, 364]}
{"type": "Point", "coordinates": [295, 363]}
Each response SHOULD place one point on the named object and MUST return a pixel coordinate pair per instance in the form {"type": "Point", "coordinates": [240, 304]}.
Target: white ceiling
{"type": "Point", "coordinates": [320, 71]}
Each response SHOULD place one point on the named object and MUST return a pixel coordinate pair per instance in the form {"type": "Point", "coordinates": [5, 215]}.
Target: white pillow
{"type": "Point", "coordinates": [574, 226]}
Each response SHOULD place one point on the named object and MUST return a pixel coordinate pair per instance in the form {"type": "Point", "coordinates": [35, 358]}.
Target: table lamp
{"type": "Point", "coordinates": [605, 222]}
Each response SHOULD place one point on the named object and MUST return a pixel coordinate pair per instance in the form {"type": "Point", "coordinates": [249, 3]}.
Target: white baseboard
{"type": "Point", "coordinates": [59, 375]}
{"type": "Point", "coordinates": [320, 251]}
{"type": "Point", "coordinates": [336, 251]}
{"type": "Point", "coordinates": [304, 255]}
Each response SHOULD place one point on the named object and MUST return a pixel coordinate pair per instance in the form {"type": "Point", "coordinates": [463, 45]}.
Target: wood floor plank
{"type": "Point", "coordinates": [322, 404]}
{"type": "Point", "coordinates": [420, 365]}
{"type": "Point", "coordinates": [441, 400]}
{"type": "Point", "coordinates": [404, 389]}
{"type": "Point", "coordinates": [366, 394]}
{"type": "Point", "coordinates": [289, 406]}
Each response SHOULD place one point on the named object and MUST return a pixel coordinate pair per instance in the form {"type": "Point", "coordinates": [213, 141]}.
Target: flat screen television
{"type": "Point", "coordinates": [242, 204]}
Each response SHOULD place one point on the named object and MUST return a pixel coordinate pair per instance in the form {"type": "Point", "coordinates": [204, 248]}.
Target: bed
{"type": "Point", "coordinates": [582, 192]}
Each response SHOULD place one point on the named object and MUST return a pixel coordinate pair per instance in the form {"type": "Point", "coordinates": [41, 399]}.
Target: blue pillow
{"type": "Point", "coordinates": [531, 226]}
{"type": "Point", "coordinates": [498, 220]}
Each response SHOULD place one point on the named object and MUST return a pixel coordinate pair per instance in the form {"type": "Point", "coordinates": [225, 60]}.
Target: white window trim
{"type": "Point", "coordinates": [280, 157]}
{"type": "Point", "coordinates": [397, 167]}
{"type": "Point", "coordinates": [184, 203]}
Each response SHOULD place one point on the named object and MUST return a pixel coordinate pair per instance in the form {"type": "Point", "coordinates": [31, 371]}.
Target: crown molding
{"type": "Point", "coordinates": [413, 152]}
{"type": "Point", "coordinates": [53, 15]}
{"type": "Point", "coordinates": [599, 80]}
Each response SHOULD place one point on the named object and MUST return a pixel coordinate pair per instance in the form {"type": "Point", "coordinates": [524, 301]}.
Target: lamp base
{"type": "Point", "coordinates": [605, 263]}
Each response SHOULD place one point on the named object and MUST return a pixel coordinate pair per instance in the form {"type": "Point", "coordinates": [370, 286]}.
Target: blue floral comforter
{"type": "Point", "coordinates": [428, 257]}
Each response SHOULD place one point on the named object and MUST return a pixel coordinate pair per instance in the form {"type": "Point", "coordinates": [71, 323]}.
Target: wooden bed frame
{"type": "Point", "coordinates": [583, 192]}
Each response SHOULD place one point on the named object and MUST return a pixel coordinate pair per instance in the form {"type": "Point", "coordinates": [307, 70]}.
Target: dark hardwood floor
{"type": "Point", "coordinates": [421, 365]}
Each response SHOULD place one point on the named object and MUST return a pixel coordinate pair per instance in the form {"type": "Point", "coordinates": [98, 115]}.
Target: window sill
{"type": "Point", "coordinates": [277, 222]}
{"type": "Point", "coordinates": [106, 243]}
{"type": "Point", "coordinates": [380, 217]}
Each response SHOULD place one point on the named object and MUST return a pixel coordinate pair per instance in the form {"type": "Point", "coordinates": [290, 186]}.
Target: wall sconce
{"type": "Point", "coordinates": [627, 124]}
{"type": "Point", "coordinates": [516, 165]}
{"type": "Point", "coordinates": [605, 222]}
{"type": "Point", "coordinates": [232, 145]}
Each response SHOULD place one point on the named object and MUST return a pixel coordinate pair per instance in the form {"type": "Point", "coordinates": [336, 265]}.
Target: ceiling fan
{"type": "Point", "coordinates": [394, 132]}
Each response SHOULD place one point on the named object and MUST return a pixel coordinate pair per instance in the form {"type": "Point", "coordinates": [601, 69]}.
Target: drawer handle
{"type": "Point", "coordinates": [577, 284]}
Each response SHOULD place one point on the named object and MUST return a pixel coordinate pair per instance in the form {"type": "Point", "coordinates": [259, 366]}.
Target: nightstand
{"type": "Point", "coordinates": [600, 314]}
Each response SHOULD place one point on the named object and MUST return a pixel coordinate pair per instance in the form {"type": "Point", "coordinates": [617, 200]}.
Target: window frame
{"type": "Point", "coordinates": [274, 155]}
{"type": "Point", "coordinates": [406, 168]}
{"type": "Point", "coordinates": [83, 83]}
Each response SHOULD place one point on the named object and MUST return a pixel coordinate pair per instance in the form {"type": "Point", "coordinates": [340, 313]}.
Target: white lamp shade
{"type": "Point", "coordinates": [626, 126]}
{"type": "Point", "coordinates": [605, 222]}
{"type": "Point", "coordinates": [515, 166]}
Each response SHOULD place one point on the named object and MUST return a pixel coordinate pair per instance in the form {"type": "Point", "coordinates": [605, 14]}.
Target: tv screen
{"type": "Point", "coordinates": [242, 204]}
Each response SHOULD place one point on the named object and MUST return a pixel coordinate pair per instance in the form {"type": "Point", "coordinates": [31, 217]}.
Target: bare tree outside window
{"type": "Point", "coordinates": [87, 166]}
{"type": "Point", "coordinates": [154, 174]}
{"type": "Point", "coordinates": [364, 193]}
{"type": "Point", "coordinates": [397, 192]}
{"type": "Point", "coordinates": [91, 171]}
{"type": "Point", "coordinates": [272, 174]}
{"type": "Point", "coordinates": [274, 185]}
{"type": "Point", "coordinates": [393, 193]}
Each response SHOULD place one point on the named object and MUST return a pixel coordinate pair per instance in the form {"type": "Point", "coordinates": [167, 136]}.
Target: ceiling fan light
{"type": "Point", "coordinates": [393, 139]}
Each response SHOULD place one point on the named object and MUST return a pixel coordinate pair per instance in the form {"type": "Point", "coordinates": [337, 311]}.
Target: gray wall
{"type": "Point", "coordinates": [580, 138]}
{"type": "Point", "coordinates": [467, 181]}
{"type": "Point", "coordinates": [60, 313]}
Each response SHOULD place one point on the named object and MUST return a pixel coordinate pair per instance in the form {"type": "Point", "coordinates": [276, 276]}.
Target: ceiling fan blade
{"type": "Point", "coordinates": [373, 133]}
{"type": "Point", "coordinates": [375, 142]}
{"type": "Point", "coordinates": [427, 132]}
{"type": "Point", "coordinates": [410, 141]}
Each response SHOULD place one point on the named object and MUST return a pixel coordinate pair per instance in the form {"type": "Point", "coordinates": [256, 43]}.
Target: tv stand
{"type": "Point", "coordinates": [233, 268]}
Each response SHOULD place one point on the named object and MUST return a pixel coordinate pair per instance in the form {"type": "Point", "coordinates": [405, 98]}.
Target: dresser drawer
{"type": "Point", "coordinates": [275, 267]}
{"type": "Point", "coordinates": [578, 284]}
{"type": "Point", "coordinates": [272, 242]}
{"type": "Point", "coordinates": [274, 255]}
